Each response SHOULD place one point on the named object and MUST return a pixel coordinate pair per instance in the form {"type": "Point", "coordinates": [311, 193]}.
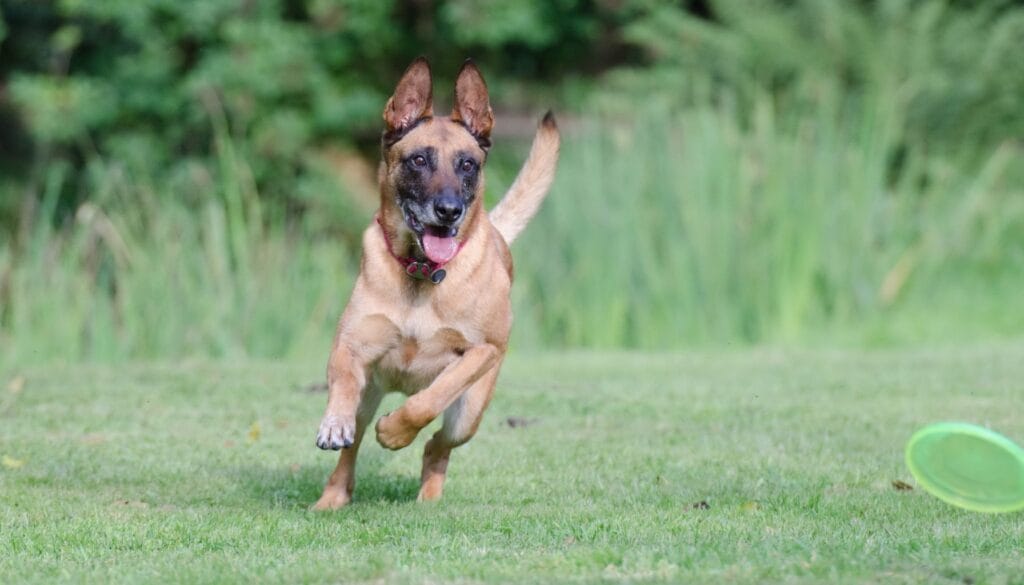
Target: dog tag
{"type": "Point", "coordinates": [417, 270]}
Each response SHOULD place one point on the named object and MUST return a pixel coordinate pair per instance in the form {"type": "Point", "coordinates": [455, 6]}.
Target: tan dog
{"type": "Point", "coordinates": [430, 313]}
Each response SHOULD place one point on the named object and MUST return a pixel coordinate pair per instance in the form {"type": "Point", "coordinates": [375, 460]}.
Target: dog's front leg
{"type": "Point", "coordinates": [351, 402]}
{"type": "Point", "coordinates": [346, 377]}
{"type": "Point", "coordinates": [354, 350]}
{"type": "Point", "coordinates": [397, 429]}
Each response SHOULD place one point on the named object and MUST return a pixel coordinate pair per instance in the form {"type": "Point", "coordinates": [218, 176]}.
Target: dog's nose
{"type": "Point", "coordinates": [448, 209]}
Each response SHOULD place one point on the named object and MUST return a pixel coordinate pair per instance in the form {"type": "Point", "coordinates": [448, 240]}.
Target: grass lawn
{"type": "Point", "coordinates": [202, 472]}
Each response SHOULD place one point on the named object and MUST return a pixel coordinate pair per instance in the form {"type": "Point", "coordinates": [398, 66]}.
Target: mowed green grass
{"type": "Point", "coordinates": [202, 473]}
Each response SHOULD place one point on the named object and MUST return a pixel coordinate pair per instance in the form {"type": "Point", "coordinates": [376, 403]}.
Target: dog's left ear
{"type": "Point", "coordinates": [472, 106]}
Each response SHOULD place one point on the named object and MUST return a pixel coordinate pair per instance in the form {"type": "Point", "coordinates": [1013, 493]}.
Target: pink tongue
{"type": "Point", "coordinates": [438, 249]}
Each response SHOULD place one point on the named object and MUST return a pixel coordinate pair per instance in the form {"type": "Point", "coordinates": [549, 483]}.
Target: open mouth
{"type": "Point", "coordinates": [437, 242]}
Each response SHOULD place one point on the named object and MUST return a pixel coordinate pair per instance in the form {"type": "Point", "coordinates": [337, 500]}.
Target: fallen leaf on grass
{"type": "Point", "coordinates": [93, 439]}
{"type": "Point", "coordinates": [254, 432]}
{"type": "Point", "coordinates": [901, 486]}
{"type": "Point", "coordinates": [569, 540]}
{"type": "Point", "coordinates": [16, 385]}
{"type": "Point", "coordinates": [11, 463]}
{"type": "Point", "coordinates": [749, 506]}
{"type": "Point", "coordinates": [516, 422]}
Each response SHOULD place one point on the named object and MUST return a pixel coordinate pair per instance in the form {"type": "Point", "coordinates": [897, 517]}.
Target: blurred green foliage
{"type": "Point", "coordinates": [141, 81]}
{"type": "Point", "coordinates": [955, 68]}
{"type": "Point", "coordinates": [191, 178]}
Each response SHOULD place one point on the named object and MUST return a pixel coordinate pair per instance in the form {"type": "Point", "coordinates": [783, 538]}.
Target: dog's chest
{"type": "Point", "coordinates": [425, 346]}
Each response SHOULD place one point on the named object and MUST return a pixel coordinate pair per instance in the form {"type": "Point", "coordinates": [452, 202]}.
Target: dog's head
{"type": "Point", "coordinates": [432, 168]}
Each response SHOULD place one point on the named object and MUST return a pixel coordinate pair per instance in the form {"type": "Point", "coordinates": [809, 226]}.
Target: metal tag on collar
{"type": "Point", "coordinates": [422, 271]}
{"type": "Point", "coordinates": [418, 270]}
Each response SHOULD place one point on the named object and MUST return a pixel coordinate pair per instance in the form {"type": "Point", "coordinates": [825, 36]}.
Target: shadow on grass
{"type": "Point", "coordinates": [292, 487]}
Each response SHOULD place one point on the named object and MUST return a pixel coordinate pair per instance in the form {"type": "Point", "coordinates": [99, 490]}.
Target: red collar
{"type": "Point", "coordinates": [418, 269]}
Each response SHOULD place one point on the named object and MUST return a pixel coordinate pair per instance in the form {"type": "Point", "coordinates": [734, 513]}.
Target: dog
{"type": "Point", "coordinates": [430, 314]}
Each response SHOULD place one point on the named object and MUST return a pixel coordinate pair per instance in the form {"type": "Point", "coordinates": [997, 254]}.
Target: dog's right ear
{"type": "Point", "coordinates": [413, 98]}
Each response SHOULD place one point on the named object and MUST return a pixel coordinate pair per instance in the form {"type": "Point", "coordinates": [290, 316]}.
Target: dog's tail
{"type": "Point", "coordinates": [527, 192]}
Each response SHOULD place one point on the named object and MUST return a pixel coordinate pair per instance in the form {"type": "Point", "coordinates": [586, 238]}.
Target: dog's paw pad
{"type": "Point", "coordinates": [336, 433]}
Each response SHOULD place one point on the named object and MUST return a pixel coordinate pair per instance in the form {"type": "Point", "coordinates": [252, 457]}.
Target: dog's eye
{"type": "Point", "coordinates": [467, 166]}
{"type": "Point", "coordinates": [419, 161]}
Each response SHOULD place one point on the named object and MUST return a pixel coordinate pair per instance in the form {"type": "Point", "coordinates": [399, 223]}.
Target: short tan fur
{"type": "Point", "coordinates": [441, 344]}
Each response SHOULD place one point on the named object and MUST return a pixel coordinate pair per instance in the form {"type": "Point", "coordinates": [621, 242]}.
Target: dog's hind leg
{"type": "Point", "coordinates": [338, 491]}
{"type": "Point", "coordinates": [461, 421]}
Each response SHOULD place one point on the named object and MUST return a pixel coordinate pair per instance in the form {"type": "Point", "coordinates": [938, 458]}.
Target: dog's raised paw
{"type": "Point", "coordinates": [336, 433]}
{"type": "Point", "coordinates": [394, 433]}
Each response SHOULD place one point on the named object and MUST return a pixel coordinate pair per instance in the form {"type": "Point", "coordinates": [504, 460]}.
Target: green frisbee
{"type": "Point", "coordinates": [968, 466]}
